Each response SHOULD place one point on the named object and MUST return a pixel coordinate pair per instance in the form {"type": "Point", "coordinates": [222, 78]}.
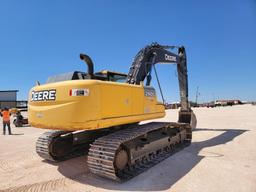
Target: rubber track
{"type": "Point", "coordinates": [102, 152]}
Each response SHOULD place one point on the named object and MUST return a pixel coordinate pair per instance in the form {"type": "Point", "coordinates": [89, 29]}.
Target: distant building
{"type": "Point", "coordinates": [227, 102]}
{"type": "Point", "coordinates": [8, 98]}
{"type": "Point", "coordinates": [174, 105]}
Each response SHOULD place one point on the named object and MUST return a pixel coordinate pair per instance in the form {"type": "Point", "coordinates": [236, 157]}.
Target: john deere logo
{"type": "Point", "coordinates": [43, 95]}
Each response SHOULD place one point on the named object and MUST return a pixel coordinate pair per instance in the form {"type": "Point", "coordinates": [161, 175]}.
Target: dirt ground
{"type": "Point", "coordinates": [222, 157]}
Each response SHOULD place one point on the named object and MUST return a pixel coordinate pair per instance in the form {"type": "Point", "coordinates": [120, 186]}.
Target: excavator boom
{"type": "Point", "coordinates": [159, 54]}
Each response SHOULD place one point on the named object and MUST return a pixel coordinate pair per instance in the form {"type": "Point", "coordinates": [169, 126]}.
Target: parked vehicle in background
{"type": "Point", "coordinates": [227, 102]}
{"type": "Point", "coordinates": [19, 120]}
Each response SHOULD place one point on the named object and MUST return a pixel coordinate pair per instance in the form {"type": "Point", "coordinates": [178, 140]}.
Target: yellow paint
{"type": "Point", "coordinates": [108, 104]}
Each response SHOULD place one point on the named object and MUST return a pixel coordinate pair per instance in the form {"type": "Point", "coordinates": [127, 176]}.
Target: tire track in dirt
{"type": "Point", "coordinates": [51, 185]}
{"type": "Point", "coordinates": [11, 165]}
{"type": "Point", "coordinates": [5, 165]}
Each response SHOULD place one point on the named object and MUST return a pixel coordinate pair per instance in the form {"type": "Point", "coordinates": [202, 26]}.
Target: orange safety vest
{"type": "Point", "coordinates": [6, 115]}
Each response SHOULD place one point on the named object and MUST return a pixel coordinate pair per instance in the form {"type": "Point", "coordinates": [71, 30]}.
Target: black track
{"type": "Point", "coordinates": [44, 142]}
{"type": "Point", "coordinates": [101, 158]}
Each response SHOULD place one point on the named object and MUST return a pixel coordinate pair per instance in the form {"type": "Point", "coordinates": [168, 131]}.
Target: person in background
{"type": "Point", "coordinates": [5, 114]}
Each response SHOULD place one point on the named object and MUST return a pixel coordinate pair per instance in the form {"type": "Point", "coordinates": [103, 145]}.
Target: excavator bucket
{"type": "Point", "coordinates": [188, 117]}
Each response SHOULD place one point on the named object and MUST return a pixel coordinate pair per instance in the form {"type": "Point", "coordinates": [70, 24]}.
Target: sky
{"type": "Point", "coordinates": [42, 38]}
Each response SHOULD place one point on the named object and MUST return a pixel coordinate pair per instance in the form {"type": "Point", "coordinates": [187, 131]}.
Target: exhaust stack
{"type": "Point", "coordinates": [89, 63]}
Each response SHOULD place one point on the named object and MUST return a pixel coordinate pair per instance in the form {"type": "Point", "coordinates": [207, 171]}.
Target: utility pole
{"type": "Point", "coordinates": [197, 93]}
{"type": "Point", "coordinates": [213, 94]}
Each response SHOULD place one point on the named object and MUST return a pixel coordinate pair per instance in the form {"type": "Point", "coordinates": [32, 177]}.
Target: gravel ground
{"type": "Point", "coordinates": [222, 157]}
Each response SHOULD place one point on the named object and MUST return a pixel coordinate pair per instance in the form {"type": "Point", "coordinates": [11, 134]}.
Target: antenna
{"type": "Point", "coordinates": [37, 83]}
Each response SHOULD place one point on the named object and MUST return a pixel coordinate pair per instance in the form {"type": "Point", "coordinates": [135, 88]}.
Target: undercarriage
{"type": "Point", "coordinates": [117, 154]}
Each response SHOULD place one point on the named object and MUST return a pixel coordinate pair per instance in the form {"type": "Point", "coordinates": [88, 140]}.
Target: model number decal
{"type": "Point", "coordinates": [79, 92]}
{"type": "Point", "coordinates": [43, 95]}
{"type": "Point", "coordinates": [149, 92]}
{"type": "Point", "coordinates": [170, 58]}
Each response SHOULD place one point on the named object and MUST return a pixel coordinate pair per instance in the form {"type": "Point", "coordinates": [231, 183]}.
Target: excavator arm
{"type": "Point", "coordinates": [153, 54]}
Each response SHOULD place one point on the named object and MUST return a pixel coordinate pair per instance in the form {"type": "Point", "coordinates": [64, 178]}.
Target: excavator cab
{"type": "Point", "coordinates": [104, 75]}
{"type": "Point", "coordinates": [111, 76]}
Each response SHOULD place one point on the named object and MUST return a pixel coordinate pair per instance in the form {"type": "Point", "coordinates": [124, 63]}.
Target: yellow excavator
{"type": "Point", "coordinates": [102, 111]}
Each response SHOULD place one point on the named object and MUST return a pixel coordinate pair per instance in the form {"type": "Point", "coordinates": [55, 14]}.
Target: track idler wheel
{"type": "Point", "coordinates": [188, 117]}
{"type": "Point", "coordinates": [121, 159]}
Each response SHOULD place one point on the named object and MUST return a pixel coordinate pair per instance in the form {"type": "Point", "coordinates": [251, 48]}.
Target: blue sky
{"type": "Point", "coordinates": [43, 38]}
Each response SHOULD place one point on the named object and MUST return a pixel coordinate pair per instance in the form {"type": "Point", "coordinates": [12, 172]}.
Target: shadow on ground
{"type": "Point", "coordinates": [17, 134]}
{"type": "Point", "coordinates": [24, 126]}
{"type": "Point", "coordinates": [178, 165]}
